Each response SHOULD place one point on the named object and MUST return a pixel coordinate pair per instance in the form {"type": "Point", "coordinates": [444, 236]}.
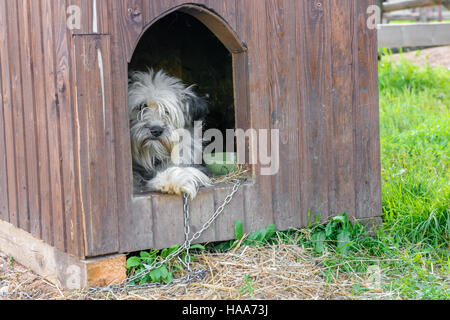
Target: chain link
{"type": "Point", "coordinates": [187, 231]}
{"type": "Point", "coordinates": [192, 275]}
{"type": "Point", "coordinates": [219, 210]}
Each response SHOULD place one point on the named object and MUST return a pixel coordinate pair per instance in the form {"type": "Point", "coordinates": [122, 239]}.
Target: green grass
{"type": "Point", "coordinates": [410, 251]}
{"type": "Point", "coordinates": [408, 256]}
{"type": "Point", "coordinates": [402, 21]}
{"type": "Point", "coordinates": [415, 134]}
{"type": "Point", "coordinates": [415, 151]}
{"type": "Point", "coordinates": [411, 248]}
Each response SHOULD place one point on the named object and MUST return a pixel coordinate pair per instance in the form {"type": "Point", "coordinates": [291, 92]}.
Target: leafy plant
{"type": "Point", "coordinates": [247, 287]}
{"type": "Point", "coordinates": [137, 265]}
{"type": "Point", "coordinates": [257, 238]}
{"type": "Point", "coordinates": [339, 233]}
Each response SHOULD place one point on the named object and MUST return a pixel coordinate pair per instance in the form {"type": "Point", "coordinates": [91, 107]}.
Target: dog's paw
{"type": "Point", "coordinates": [176, 180]}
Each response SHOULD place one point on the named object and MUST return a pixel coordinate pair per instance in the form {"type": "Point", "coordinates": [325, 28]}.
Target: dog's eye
{"type": "Point", "coordinates": [142, 106]}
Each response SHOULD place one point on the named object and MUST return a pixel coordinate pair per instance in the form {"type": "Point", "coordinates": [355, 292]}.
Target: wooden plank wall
{"type": "Point", "coordinates": [37, 145]}
{"type": "Point", "coordinates": [312, 74]}
{"type": "Point", "coordinates": [94, 132]}
{"type": "Point", "coordinates": [94, 117]}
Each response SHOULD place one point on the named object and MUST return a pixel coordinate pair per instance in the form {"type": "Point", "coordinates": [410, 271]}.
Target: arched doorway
{"type": "Point", "coordinates": [185, 48]}
{"type": "Point", "coordinates": [197, 46]}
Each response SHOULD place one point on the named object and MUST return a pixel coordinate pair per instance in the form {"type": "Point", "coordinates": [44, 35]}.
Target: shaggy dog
{"type": "Point", "coordinates": [163, 116]}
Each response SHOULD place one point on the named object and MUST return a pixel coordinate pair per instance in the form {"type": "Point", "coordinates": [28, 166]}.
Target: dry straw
{"type": "Point", "coordinates": [272, 272]}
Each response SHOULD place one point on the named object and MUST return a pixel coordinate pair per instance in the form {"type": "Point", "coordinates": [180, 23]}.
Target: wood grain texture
{"type": "Point", "coordinates": [86, 15]}
{"type": "Point", "coordinates": [367, 144]}
{"type": "Point", "coordinates": [342, 195]}
{"type": "Point", "coordinates": [104, 16]}
{"type": "Point", "coordinates": [4, 197]}
{"type": "Point", "coordinates": [155, 9]}
{"type": "Point", "coordinates": [8, 116]}
{"type": "Point", "coordinates": [284, 114]}
{"type": "Point", "coordinates": [131, 23]}
{"type": "Point", "coordinates": [95, 118]}
{"type": "Point", "coordinates": [201, 209]}
{"type": "Point", "coordinates": [302, 96]}
{"type": "Point", "coordinates": [168, 226]}
{"type": "Point", "coordinates": [63, 62]}
{"type": "Point", "coordinates": [4, 215]}
{"type": "Point", "coordinates": [121, 127]}
{"type": "Point", "coordinates": [225, 9]}
{"type": "Point", "coordinates": [29, 112]}
{"type": "Point", "coordinates": [242, 102]}
{"type": "Point", "coordinates": [315, 105]}
{"type": "Point", "coordinates": [39, 85]}
{"type": "Point", "coordinates": [137, 234]}
{"type": "Point", "coordinates": [23, 218]}
{"type": "Point", "coordinates": [95, 16]}
{"type": "Point", "coordinates": [253, 16]}
{"type": "Point", "coordinates": [53, 125]}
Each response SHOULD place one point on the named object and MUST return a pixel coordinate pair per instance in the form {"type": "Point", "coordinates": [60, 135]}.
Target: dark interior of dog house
{"type": "Point", "coordinates": [185, 48]}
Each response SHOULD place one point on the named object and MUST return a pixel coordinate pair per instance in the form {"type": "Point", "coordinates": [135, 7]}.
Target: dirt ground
{"type": "Point", "coordinates": [285, 272]}
{"type": "Point", "coordinates": [439, 56]}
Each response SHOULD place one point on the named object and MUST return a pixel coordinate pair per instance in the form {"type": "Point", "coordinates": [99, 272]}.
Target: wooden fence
{"type": "Point", "coordinates": [413, 35]}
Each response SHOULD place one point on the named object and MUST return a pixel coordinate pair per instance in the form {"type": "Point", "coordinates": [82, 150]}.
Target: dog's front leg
{"type": "Point", "coordinates": [179, 180]}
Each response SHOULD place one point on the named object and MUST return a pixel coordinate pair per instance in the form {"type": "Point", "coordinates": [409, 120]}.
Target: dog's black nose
{"type": "Point", "coordinates": [156, 131]}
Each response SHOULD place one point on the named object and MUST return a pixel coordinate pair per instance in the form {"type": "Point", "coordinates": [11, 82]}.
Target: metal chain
{"type": "Point", "coordinates": [187, 231]}
{"type": "Point", "coordinates": [191, 276]}
{"type": "Point", "coordinates": [219, 210]}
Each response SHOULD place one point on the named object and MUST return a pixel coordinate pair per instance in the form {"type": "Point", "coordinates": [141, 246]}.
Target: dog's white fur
{"type": "Point", "coordinates": [157, 100]}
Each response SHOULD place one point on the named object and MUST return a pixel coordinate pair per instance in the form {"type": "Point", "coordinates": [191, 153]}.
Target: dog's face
{"type": "Point", "coordinates": [158, 106]}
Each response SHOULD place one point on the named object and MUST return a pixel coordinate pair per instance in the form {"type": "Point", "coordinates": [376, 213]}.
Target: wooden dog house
{"type": "Point", "coordinates": [67, 209]}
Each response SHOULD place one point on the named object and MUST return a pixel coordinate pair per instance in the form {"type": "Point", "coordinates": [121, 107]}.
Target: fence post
{"type": "Point", "coordinates": [380, 5]}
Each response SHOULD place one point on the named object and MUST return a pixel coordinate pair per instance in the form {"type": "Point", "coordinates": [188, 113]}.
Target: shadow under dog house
{"type": "Point", "coordinates": [67, 210]}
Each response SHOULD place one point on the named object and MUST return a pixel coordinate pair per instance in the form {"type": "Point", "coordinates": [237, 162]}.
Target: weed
{"type": "Point", "coordinates": [258, 238]}
{"type": "Point", "coordinates": [247, 287]}
{"type": "Point", "coordinates": [338, 233]}
{"type": "Point", "coordinates": [136, 264]}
